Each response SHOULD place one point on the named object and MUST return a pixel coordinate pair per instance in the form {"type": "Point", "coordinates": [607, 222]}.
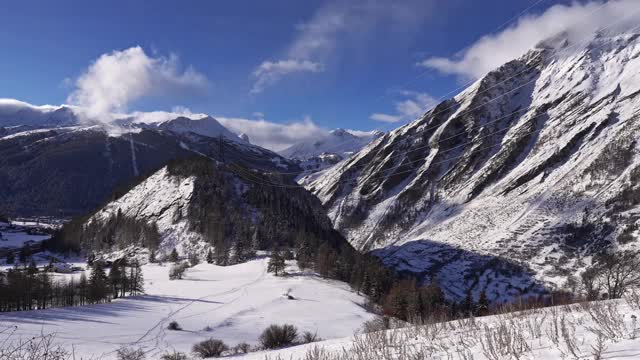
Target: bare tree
{"type": "Point", "coordinates": [613, 273]}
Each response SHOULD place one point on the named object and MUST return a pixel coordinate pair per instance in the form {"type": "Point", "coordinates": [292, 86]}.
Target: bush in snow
{"type": "Point", "coordinates": [277, 336]}
{"type": "Point", "coordinates": [174, 356]}
{"type": "Point", "coordinates": [210, 348]}
{"type": "Point", "coordinates": [125, 353]}
{"type": "Point", "coordinates": [242, 348]}
{"type": "Point", "coordinates": [379, 323]}
{"type": "Point", "coordinates": [288, 294]}
{"type": "Point", "coordinates": [174, 326]}
{"type": "Point", "coordinates": [309, 337]}
{"type": "Point", "coordinates": [176, 272]}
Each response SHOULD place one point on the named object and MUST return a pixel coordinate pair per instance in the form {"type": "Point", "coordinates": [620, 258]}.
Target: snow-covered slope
{"type": "Point", "coordinates": [600, 330]}
{"type": "Point", "coordinates": [232, 303]}
{"type": "Point", "coordinates": [339, 141]}
{"type": "Point", "coordinates": [537, 162]}
{"type": "Point", "coordinates": [199, 204]}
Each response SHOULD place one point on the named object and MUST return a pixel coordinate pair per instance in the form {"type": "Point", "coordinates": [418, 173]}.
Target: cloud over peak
{"type": "Point", "coordinates": [117, 78]}
{"type": "Point", "coordinates": [578, 22]}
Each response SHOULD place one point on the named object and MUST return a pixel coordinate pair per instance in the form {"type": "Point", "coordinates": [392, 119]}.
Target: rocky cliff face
{"type": "Point", "coordinates": [536, 163]}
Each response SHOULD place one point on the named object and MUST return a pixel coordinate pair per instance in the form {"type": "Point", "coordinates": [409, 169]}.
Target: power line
{"type": "Point", "coordinates": [431, 164]}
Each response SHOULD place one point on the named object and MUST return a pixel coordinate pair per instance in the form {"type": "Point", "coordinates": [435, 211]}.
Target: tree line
{"type": "Point", "coordinates": [28, 288]}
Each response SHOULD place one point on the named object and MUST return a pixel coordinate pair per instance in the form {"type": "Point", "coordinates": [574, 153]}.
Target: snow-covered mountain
{"type": "Point", "coordinates": [17, 116]}
{"type": "Point", "coordinates": [315, 157]}
{"type": "Point", "coordinates": [71, 170]}
{"type": "Point", "coordinates": [17, 113]}
{"type": "Point", "coordinates": [199, 204]}
{"type": "Point", "coordinates": [206, 126]}
{"type": "Point", "coordinates": [536, 163]}
{"type": "Point", "coordinates": [339, 142]}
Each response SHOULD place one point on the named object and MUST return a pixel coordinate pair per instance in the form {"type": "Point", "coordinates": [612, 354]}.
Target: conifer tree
{"type": "Point", "coordinates": [136, 279]}
{"type": "Point", "coordinates": [115, 279]}
{"type": "Point", "coordinates": [483, 303]}
{"type": "Point", "coordinates": [173, 257]}
{"type": "Point", "coordinates": [98, 283]}
{"type": "Point", "coordinates": [276, 263]}
{"type": "Point", "coordinates": [23, 254]}
{"type": "Point", "coordinates": [467, 306]}
{"type": "Point", "coordinates": [33, 268]}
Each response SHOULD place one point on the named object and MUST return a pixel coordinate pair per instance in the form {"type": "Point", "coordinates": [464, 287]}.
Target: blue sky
{"type": "Point", "coordinates": [286, 60]}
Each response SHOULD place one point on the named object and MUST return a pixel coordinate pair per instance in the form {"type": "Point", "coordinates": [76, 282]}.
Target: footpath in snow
{"type": "Point", "coordinates": [234, 304]}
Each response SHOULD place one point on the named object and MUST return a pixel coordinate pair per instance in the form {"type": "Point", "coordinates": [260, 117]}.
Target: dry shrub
{"type": "Point", "coordinates": [277, 336]}
{"type": "Point", "coordinates": [210, 348]}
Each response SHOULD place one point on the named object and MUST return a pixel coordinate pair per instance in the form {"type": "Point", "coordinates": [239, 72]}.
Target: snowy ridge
{"type": "Point", "coordinates": [339, 142]}
{"type": "Point", "coordinates": [511, 167]}
{"type": "Point", "coordinates": [162, 200]}
{"type": "Point", "coordinates": [206, 126]}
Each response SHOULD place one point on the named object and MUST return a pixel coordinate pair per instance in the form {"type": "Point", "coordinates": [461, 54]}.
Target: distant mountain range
{"type": "Point", "coordinates": [339, 142]}
{"type": "Point", "coordinates": [67, 168]}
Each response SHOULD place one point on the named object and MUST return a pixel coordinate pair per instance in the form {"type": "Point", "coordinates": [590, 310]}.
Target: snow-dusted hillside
{"type": "Point", "coordinates": [537, 162]}
{"type": "Point", "coordinates": [233, 303]}
{"type": "Point", "coordinates": [197, 205]}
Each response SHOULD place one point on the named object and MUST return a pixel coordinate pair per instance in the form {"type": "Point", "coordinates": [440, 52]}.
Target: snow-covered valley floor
{"type": "Point", "coordinates": [233, 303]}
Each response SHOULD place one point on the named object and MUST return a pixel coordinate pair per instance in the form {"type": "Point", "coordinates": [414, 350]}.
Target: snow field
{"type": "Point", "coordinates": [233, 303]}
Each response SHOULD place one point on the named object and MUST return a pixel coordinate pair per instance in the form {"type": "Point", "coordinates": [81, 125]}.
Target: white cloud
{"type": "Point", "coordinates": [385, 117]}
{"type": "Point", "coordinates": [270, 72]}
{"type": "Point", "coordinates": [116, 79]}
{"type": "Point", "coordinates": [335, 23]}
{"type": "Point", "coordinates": [578, 22]}
{"type": "Point", "coordinates": [272, 135]}
{"type": "Point", "coordinates": [13, 105]}
{"type": "Point", "coordinates": [417, 104]}
{"type": "Point", "coordinates": [258, 115]}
